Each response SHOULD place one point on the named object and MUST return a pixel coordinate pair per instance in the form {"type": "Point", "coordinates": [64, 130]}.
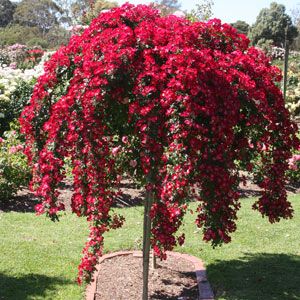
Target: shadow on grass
{"type": "Point", "coordinates": [28, 286]}
{"type": "Point", "coordinates": [23, 202]}
{"type": "Point", "coordinates": [259, 276]}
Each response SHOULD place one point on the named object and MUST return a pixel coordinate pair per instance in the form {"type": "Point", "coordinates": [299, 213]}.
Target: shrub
{"type": "Point", "coordinates": [19, 98]}
{"type": "Point", "coordinates": [4, 59]}
{"type": "Point", "coordinates": [293, 87]}
{"type": "Point", "coordinates": [293, 172]}
{"type": "Point", "coordinates": [277, 53]}
{"type": "Point", "coordinates": [14, 172]}
{"type": "Point", "coordinates": [32, 58]}
{"type": "Point", "coordinates": [37, 41]}
{"type": "Point", "coordinates": [14, 95]}
{"type": "Point", "coordinates": [15, 90]}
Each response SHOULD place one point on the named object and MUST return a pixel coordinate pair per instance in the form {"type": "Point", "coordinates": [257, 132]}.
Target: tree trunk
{"type": "Point", "coordinates": [146, 240]}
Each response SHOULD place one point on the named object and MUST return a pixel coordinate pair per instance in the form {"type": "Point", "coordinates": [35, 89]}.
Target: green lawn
{"type": "Point", "coordinates": [38, 258]}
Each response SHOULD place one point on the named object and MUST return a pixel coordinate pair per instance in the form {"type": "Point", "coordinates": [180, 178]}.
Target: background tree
{"type": "Point", "coordinates": [42, 14]}
{"type": "Point", "coordinates": [7, 9]}
{"type": "Point", "coordinates": [241, 26]}
{"type": "Point", "coordinates": [66, 12]}
{"type": "Point", "coordinates": [270, 25]}
{"type": "Point", "coordinates": [296, 21]}
{"type": "Point", "coordinates": [202, 11]}
{"type": "Point", "coordinates": [16, 33]}
{"type": "Point", "coordinates": [167, 7]}
{"type": "Point", "coordinates": [96, 8]}
{"type": "Point", "coordinates": [32, 36]}
{"type": "Point", "coordinates": [79, 8]}
{"type": "Point", "coordinates": [57, 36]}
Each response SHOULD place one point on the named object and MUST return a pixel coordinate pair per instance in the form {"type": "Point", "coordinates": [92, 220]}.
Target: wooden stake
{"type": "Point", "coordinates": [154, 261]}
{"type": "Point", "coordinates": [146, 240]}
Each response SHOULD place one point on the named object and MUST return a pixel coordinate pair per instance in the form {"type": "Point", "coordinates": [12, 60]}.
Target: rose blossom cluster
{"type": "Point", "coordinates": [190, 97]}
{"type": "Point", "coordinates": [293, 161]}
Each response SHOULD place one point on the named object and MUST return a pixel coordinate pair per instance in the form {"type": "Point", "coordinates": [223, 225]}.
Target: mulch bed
{"type": "Point", "coordinates": [25, 201]}
{"type": "Point", "coordinates": [120, 278]}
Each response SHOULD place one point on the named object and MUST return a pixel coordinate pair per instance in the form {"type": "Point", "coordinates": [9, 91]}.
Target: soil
{"type": "Point", "coordinates": [120, 278]}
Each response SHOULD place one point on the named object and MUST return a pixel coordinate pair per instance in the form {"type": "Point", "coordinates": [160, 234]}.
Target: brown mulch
{"type": "Point", "coordinates": [120, 278]}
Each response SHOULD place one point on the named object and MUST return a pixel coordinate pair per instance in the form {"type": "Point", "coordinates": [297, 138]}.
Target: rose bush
{"type": "Point", "coordinates": [16, 86]}
{"type": "Point", "coordinates": [293, 88]}
{"type": "Point", "coordinates": [189, 104]}
{"type": "Point", "coordinates": [14, 171]}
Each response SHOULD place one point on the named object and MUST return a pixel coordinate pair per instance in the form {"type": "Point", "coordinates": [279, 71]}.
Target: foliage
{"type": "Point", "coordinates": [13, 98]}
{"type": "Point", "coordinates": [43, 14]}
{"type": "Point", "coordinates": [191, 101]}
{"type": "Point", "coordinates": [241, 26]}
{"type": "Point", "coordinates": [14, 171]}
{"type": "Point", "coordinates": [202, 12]}
{"type": "Point", "coordinates": [271, 24]}
{"type": "Point", "coordinates": [77, 9]}
{"type": "Point", "coordinates": [19, 98]}
{"type": "Point", "coordinates": [7, 9]}
{"type": "Point", "coordinates": [265, 45]}
{"type": "Point", "coordinates": [56, 37]}
{"type": "Point", "coordinates": [17, 34]}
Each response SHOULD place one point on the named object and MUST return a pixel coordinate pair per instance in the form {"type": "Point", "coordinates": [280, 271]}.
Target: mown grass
{"type": "Point", "coordinates": [38, 258]}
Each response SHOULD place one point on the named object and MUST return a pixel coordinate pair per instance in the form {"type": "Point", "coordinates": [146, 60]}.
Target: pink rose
{"type": "Point", "coordinates": [125, 139]}
{"type": "Point", "coordinates": [133, 163]}
{"type": "Point", "coordinates": [125, 100]}
{"type": "Point", "coordinates": [296, 157]}
{"type": "Point", "coordinates": [19, 147]}
{"type": "Point", "coordinates": [13, 149]}
{"type": "Point", "coordinates": [115, 150]}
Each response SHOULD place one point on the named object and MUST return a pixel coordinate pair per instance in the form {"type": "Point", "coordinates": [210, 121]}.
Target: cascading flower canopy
{"type": "Point", "coordinates": [185, 105]}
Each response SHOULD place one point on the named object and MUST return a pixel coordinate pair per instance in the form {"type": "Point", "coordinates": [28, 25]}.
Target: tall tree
{"type": "Point", "coordinates": [181, 134]}
{"type": "Point", "coordinates": [271, 24]}
{"type": "Point", "coordinates": [43, 14]}
{"type": "Point", "coordinates": [241, 26]}
{"type": "Point", "coordinates": [96, 8]}
{"type": "Point", "coordinates": [79, 8]}
{"type": "Point", "coordinates": [296, 21]}
{"type": "Point", "coordinates": [167, 7]}
{"type": "Point", "coordinates": [66, 11]}
{"type": "Point", "coordinates": [7, 9]}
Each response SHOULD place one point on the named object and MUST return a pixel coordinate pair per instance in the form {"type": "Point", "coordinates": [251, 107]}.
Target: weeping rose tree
{"type": "Point", "coordinates": [181, 106]}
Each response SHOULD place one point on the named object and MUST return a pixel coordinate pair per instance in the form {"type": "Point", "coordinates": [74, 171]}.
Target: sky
{"type": "Point", "coordinates": [230, 11]}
